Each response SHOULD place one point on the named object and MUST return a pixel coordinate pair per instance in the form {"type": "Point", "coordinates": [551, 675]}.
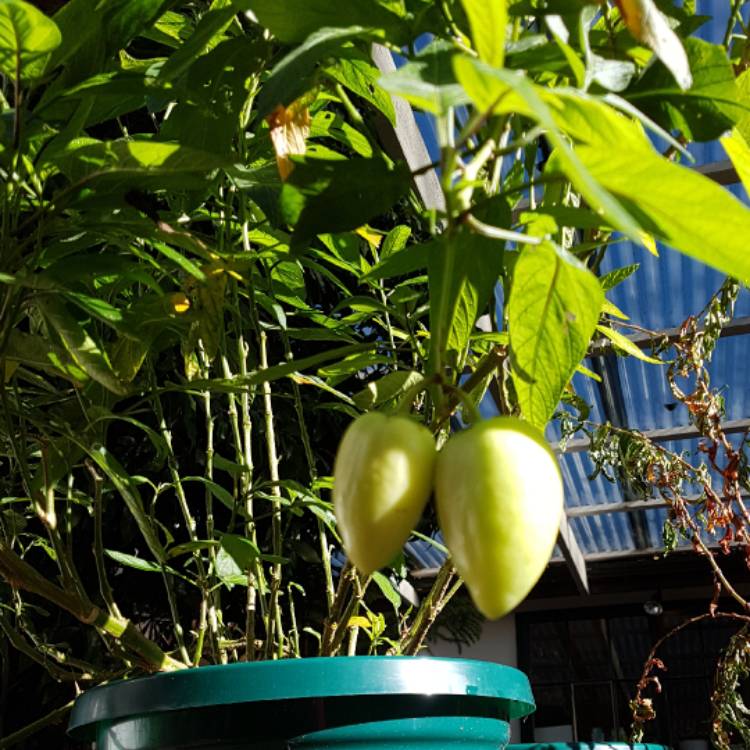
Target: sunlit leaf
{"type": "Point", "coordinates": [361, 77]}
{"type": "Point", "coordinates": [503, 90]}
{"type": "Point", "coordinates": [27, 37]}
{"type": "Point", "coordinates": [132, 561]}
{"type": "Point", "coordinates": [487, 21]}
{"type": "Point", "coordinates": [552, 312]}
{"type": "Point", "coordinates": [738, 151]}
{"type": "Point", "coordinates": [706, 109]}
{"type": "Point", "coordinates": [427, 81]}
{"type": "Point", "coordinates": [387, 589]}
{"type": "Point", "coordinates": [387, 388]}
{"type": "Point", "coordinates": [624, 343]}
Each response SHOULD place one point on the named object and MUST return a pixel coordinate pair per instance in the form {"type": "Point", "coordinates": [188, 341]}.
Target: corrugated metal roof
{"type": "Point", "coordinates": [661, 295]}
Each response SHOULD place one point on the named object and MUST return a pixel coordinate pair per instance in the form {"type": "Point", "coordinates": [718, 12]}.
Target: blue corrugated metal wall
{"type": "Point", "coordinates": [663, 292]}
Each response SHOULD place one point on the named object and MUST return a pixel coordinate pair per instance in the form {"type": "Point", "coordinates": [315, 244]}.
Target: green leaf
{"type": "Point", "coordinates": [395, 241]}
{"type": "Point", "coordinates": [326, 123]}
{"type": "Point", "coordinates": [402, 262]}
{"type": "Point", "coordinates": [705, 110]}
{"type": "Point", "coordinates": [335, 196]}
{"type": "Point", "coordinates": [128, 490]}
{"type": "Point", "coordinates": [387, 388]}
{"type": "Point", "coordinates": [210, 26]}
{"type": "Point", "coordinates": [504, 91]}
{"type": "Point", "coordinates": [387, 589]}
{"type": "Point", "coordinates": [428, 81]}
{"type": "Point", "coordinates": [38, 353]}
{"type": "Point", "coordinates": [131, 561]}
{"type": "Point", "coordinates": [222, 495]}
{"type": "Point", "coordinates": [87, 354]}
{"type": "Point", "coordinates": [143, 163]}
{"type": "Point", "coordinates": [227, 570]}
{"type": "Point", "coordinates": [344, 369]}
{"type": "Point", "coordinates": [624, 343]}
{"type": "Point", "coordinates": [361, 77]}
{"type": "Point", "coordinates": [242, 550]}
{"type": "Point", "coordinates": [212, 96]}
{"type": "Point", "coordinates": [295, 73]}
{"type": "Point", "coordinates": [613, 278]}
{"type": "Point", "coordinates": [743, 95]}
{"type": "Point", "coordinates": [62, 454]}
{"type": "Point", "coordinates": [358, 622]}
{"type": "Point", "coordinates": [560, 33]}
{"type": "Point", "coordinates": [97, 307]}
{"type": "Point", "coordinates": [553, 310]}
{"type": "Point", "coordinates": [487, 21]}
{"type": "Point", "coordinates": [588, 373]}
{"type": "Point", "coordinates": [293, 21]}
{"type": "Point", "coordinates": [463, 269]}
{"type": "Point", "coordinates": [610, 308]}
{"type": "Point", "coordinates": [187, 265]}
{"type": "Point", "coordinates": [100, 28]}
{"type": "Point", "coordinates": [738, 151]}
{"type": "Point", "coordinates": [679, 206]}
{"type": "Point", "coordinates": [27, 37]}
{"type": "Point", "coordinates": [241, 382]}
{"type": "Point", "coordinates": [196, 546]}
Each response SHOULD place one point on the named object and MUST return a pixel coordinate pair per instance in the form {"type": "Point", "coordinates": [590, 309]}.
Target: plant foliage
{"type": "Point", "coordinates": [213, 256]}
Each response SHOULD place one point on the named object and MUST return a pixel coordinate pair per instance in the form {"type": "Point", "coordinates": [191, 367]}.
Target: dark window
{"type": "Point", "coordinates": [584, 665]}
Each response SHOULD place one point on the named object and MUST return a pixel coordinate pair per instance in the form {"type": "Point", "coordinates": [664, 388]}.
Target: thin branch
{"type": "Point", "coordinates": [496, 233]}
{"type": "Point", "coordinates": [333, 621]}
{"type": "Point", "coordinates": [21, 575]}
{"type": "Point", "coordinates": [273, 616]}
{"type": "Point", "coordinates": [431, 606]}
{"type": "Point", "coordinates": [104, 586]}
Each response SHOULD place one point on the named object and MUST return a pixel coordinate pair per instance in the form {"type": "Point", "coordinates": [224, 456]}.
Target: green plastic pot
{"type": "Point", "coordinates": [586, 746]}
{"type": "Point", "coordinates": [367, 703]}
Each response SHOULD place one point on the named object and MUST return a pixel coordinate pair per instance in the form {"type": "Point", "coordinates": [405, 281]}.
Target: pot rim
{"type": "Point", "coordinates": [309, 678]}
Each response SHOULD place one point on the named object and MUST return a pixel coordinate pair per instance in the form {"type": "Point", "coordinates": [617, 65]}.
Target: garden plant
{"type": "Point", "coordinates": [214, 258]}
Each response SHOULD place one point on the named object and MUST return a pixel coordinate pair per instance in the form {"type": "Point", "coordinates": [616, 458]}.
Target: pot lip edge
{"type": "Point", "coordinates": [216, 685]}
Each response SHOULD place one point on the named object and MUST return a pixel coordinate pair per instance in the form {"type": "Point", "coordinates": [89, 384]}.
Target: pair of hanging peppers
{"type": "Point", "coordinates": [498, 492]}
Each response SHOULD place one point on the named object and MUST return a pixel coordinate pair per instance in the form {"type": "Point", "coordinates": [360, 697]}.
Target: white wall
{"type": "Point", "coordinates": [497, 643]}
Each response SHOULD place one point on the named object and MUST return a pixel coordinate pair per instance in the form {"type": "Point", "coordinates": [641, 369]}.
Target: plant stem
{"type": "Point", "coordinates": [352, 606]}
{"type": "Point", "coordinates": [20, 644]}
{"type": "Point", "coordinates": [294, 630]}
{"type": "Point", "coordinates": [734, 16]}
{"type": "Point", "coordinates": [21, 575]}
{"type": "Point", "coordinates": [190, 524]}
{"type": "Point", "coordinates": [244, 456]}
{"type": "Point", "coordinates": [333, 621]}
{"type": "Point", "coordinates": [645, 679]}
{"type": "Point", "coordinates": [104, 587]}
{"type": "Point", "coordinates": [213, 603]}
{"type": "Point", "coordinates": [325, 550]}
{"type": "Point", "coordinates": [273, 616]}
{"type": "Point", "coordinates": [431, 606]}
{"type": "Point", "coordinates": [488, 364]}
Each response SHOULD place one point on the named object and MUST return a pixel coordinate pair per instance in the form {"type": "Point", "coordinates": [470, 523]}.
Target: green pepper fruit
{"type": "Point", "coordinates": [382, 480]}
{"type": "Point", "coordinates": [499, 496]}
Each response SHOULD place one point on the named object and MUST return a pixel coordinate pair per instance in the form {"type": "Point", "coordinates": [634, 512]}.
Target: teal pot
{"type": "Point", "coordinates": [586, 746]}
{"type": "Point", "coordinates": [362, 702]}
